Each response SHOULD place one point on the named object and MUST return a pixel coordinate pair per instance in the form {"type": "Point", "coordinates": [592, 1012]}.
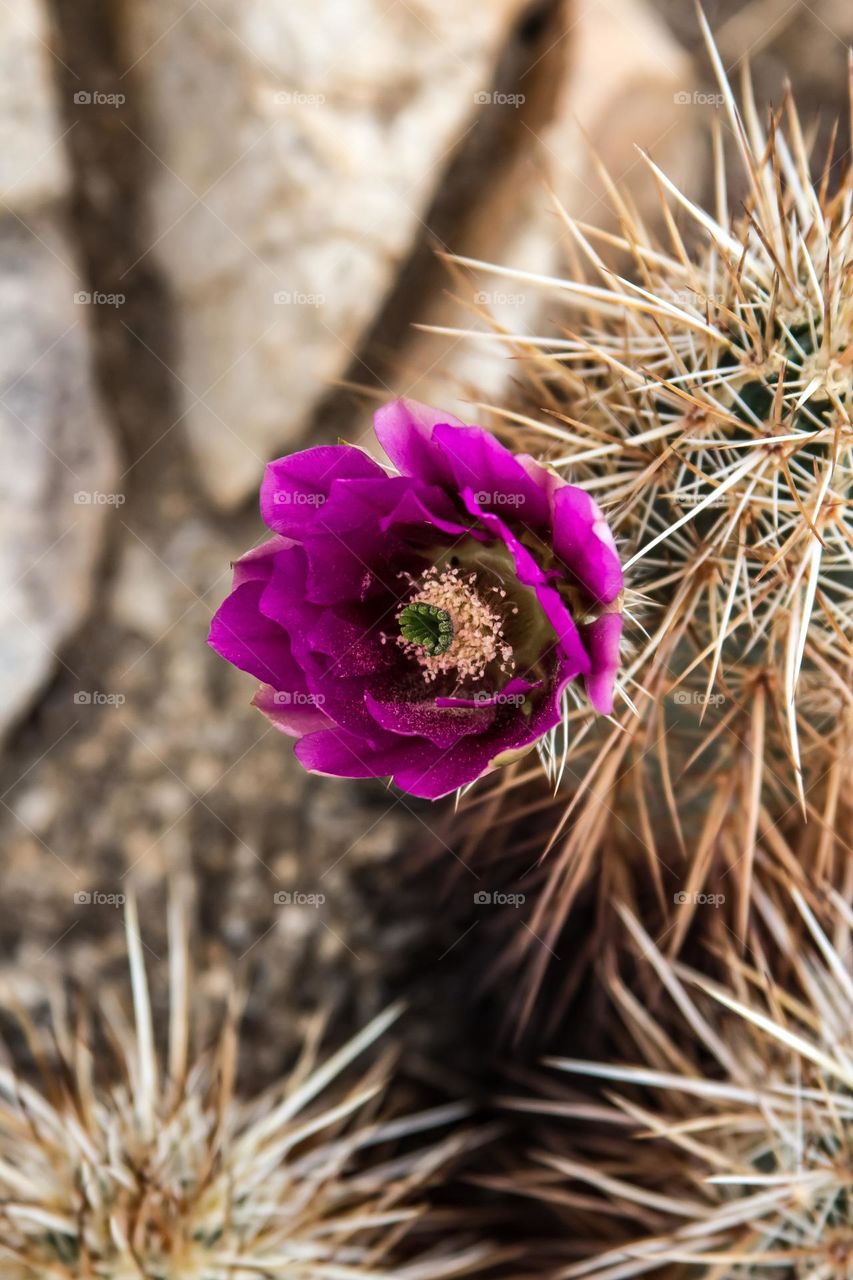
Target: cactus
{"type": "Point", "coordinates": [703, 394]}
{"type": "Point", "coordinates": [724, 1143]}
{"type": "Point", "coordinates": [160, 1169]}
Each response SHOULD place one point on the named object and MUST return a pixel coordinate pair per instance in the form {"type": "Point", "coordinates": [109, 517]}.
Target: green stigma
{"type": "Point", "coordinates": [426, 626]}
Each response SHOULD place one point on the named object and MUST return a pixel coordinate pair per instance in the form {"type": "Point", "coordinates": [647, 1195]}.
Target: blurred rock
{"type": "Point", "coordinates": [142, 592]}
{"type": "Point", "coordinates": [298, 149]}
{"type": "Point", "coordinates": [616, 93]}
{"type": "Point", "coordinates": [57, 467]}
{"type": "Point", "coordinates": [33, 166]}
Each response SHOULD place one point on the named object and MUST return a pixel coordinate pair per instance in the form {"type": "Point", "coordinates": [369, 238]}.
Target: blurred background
{"type": "Point", "coordinates": [221, 220]}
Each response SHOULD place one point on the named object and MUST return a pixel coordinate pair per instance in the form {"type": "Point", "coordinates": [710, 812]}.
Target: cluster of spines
{"type": "Point", "coordinates": [704, 398]}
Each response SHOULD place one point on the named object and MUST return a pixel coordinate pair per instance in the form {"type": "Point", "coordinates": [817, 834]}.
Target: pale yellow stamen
{"type": "Point", "coordinates": [478, 636]}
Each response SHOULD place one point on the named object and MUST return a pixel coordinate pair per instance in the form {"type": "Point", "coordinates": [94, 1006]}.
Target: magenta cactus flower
{"type": "Point", "coordinates": [422, 623]}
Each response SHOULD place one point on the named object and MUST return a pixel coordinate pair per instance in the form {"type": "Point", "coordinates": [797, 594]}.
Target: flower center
{"type": "Point", "coordinates": [426, 627]}
{"type": "Point", "coordinates": [448, 625]}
